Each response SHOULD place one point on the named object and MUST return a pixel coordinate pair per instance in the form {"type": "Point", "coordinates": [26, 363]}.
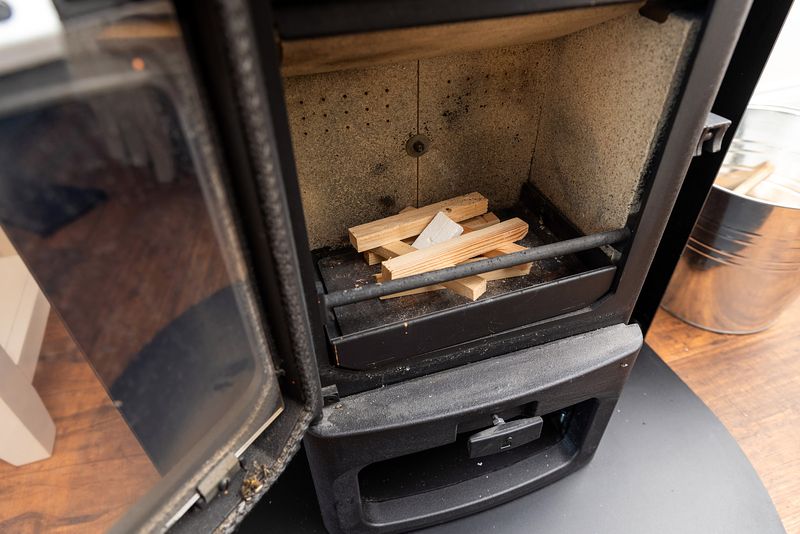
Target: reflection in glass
{"type": "Point", "coordinates": [104, 197]}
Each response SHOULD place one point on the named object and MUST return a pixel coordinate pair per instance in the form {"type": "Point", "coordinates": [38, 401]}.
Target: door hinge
{"type": "Point", "coordinates": [713, 132]}
{"type": "Point", "coordinates": [218, 479]}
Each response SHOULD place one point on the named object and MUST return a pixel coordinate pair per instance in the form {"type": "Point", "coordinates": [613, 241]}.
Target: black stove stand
{"type": "Point", "coordinates": [665, 464]}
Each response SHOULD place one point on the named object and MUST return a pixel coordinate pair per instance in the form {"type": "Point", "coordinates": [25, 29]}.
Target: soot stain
{"type": "Point", "coordinates": [388, 202]}
{"type": "Point", "coordinates": [456, 107]}
{"type": "Point", "coordinates": [378, 169]}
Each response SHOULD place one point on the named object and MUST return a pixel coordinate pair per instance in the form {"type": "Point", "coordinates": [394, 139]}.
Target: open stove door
{"type": "Point", "coordinates": [156, 225]}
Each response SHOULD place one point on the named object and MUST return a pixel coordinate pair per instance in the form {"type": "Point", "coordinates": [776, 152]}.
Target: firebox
{"type": "Point", "coordinates": [555, 117]}
{"type": "Point", "coordinates": [196, 237]}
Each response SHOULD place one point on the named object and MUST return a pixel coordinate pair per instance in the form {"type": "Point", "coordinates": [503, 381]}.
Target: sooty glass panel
{"type": "Point", "coordinates": [114, 202]}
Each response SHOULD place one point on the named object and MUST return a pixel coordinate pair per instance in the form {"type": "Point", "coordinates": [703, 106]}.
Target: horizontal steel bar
{"type": "Point", "coordinates": [381, 289]}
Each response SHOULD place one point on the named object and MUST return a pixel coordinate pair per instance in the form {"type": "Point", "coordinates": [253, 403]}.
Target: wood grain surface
{"type": "Point", "coordinates": [140, 259]}
{"type": "Point", "coordinates": [752, 383]}
{"type": "Point", "coordinates": [410, 223]}
{"type": "Point", "coordinates": [456, 250]}
{"type": "Point", "coordinates": [97, 470]}
{"type": "Point", "coordinates": [325, 54]}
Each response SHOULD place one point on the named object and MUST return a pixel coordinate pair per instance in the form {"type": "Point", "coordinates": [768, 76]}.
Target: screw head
{"type": "Point", "coordinates": [417, 145]}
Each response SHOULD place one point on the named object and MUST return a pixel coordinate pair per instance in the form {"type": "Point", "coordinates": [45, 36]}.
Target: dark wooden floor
{"type": "Point", "coordinates": [118, 274]}
{"type": "Point", "coordinates": [752, 383]}
{"type": "Point", "coordinates": [123, 270]}
{"type": "Point", "coordinates": [98, 469]}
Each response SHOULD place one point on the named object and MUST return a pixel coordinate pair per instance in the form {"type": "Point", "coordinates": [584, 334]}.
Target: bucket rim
{"type": "Point", "coordinates": [777, 109]}
{"type": "Point", "coordinates": [755, 200]}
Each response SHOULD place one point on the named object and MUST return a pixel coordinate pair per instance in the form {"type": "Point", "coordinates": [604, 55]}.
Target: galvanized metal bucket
{"type": "Point", "coordinates": [741, 266]}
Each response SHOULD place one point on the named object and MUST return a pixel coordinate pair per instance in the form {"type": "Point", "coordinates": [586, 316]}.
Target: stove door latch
{"type": "Point", "coordinates": [504, 436]}
{"type": "Point", "coordinates": [713, 133]}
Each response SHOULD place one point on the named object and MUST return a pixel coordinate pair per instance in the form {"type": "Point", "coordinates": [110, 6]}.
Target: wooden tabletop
{"type": "Point", "coordinates": [98, 469]}
{"type": "Point", "coordinates": [752, 384]}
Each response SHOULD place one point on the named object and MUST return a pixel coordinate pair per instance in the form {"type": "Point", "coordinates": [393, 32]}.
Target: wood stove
{"type": "Point", "coordinates": [557, 118]}
{"type": "Point", "coordinates": [289, 123]}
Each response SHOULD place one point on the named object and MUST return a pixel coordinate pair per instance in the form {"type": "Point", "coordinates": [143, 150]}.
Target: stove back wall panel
{"type": "Point", "coordinates": [349, 130]}
{"type": "Point", "coordinates": [577, 116]}
{"type": "Point", "coordinates": [608, 89]}
{"type": "Point", "coordinates": [480, 111]}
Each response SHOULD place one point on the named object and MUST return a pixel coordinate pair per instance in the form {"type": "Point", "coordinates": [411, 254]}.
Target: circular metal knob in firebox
{"type": "Point", "coordinates": [417, 145]}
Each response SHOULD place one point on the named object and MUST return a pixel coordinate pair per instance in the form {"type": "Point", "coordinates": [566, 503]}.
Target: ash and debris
{"type": "Point", "coordinates": [253, 480]}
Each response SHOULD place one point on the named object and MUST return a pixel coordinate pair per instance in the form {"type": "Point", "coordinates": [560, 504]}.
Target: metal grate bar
{"type": "Point", "coordinates": [569, 246]}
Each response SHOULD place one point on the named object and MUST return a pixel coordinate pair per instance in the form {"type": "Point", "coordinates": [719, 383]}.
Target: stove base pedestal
{"type": "Point", "coordinates": [665, 464]}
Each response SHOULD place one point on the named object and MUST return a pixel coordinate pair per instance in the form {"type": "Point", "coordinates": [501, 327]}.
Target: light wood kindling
{"type": "Point", "coordinates": [497, 274]}
{"type": "Point", "coordinates": [413, 222]}
{"type": "Point", "coordinates": [474, 288]}
{"type": "Point", "coordinates": [371, 258]}
{"type": "Point", "coordinates": [488, 219]}
{"type": "Point", "coordinates": [475, 223]}
{"type": "Point", "coordinates": [392, 250]}
{"type": "Point", "coordinates": [731, 180]}
{"type": "Point", "coordinates": [426, 289]}
{"type": "Point", "coordinates": [481, 221]}
{"type": "Point", "coordinates": [470, 287]}
{"type": "Point", "coordinates": [507, 272]}
{"type": "Point", "coordinates": [455, 251]}
{"type": "Point", "coordinates": [470, 225]}
{"type": "Point", "coordinates": [757, 175]}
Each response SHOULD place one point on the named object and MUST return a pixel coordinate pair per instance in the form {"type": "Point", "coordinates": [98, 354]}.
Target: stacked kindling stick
{"type": "Point", "coordinates": [418, 240]}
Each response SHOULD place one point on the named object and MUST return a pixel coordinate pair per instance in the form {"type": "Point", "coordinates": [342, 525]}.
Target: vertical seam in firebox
{"type": "Point", "coordinates": [417, 133]}
{"type": "Point", "coordinates": [543, 97]}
